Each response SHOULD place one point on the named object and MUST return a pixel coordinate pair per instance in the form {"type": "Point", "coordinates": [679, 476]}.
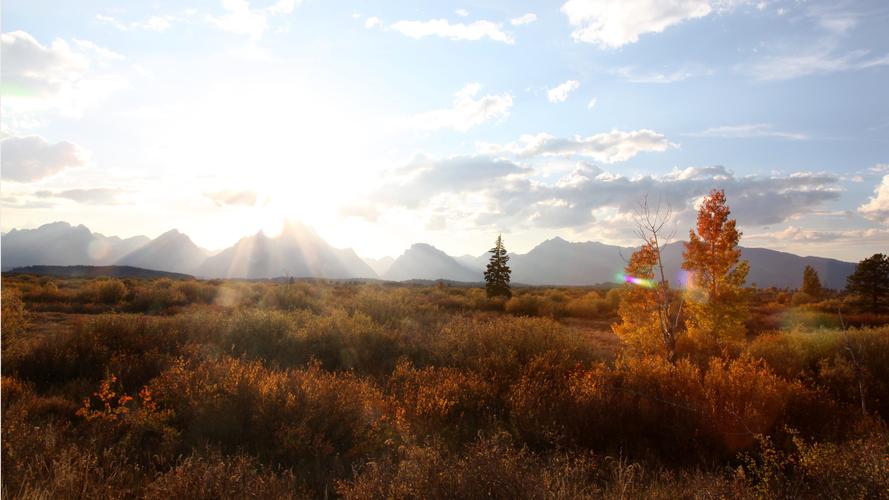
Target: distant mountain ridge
{"type": "Point", "coordinates": [97, 271]}
{"type": "Point", "coordinates": [299, 252]}
{"type": "Point", "coordinates": [171, 251]}
{"type": "Point", "coordinates": [425, 262]}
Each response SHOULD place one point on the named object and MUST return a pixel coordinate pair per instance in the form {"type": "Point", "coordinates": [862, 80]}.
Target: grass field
{"type": "Point", "coordinates": [231, 389]}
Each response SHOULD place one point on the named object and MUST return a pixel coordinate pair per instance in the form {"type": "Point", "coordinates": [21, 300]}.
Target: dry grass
{"type": "Point", "coordinates": [209, 389]}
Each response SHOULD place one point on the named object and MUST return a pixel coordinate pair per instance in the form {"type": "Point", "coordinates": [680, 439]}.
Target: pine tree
{"type": "Point", "coordinates": [871, 281]}
{"type": "Point", "coordinates": [497, 273]}
{"type": "Point", "coordinates": [811, 282]}
{"type": "Point", "coordinates": [717, 307]}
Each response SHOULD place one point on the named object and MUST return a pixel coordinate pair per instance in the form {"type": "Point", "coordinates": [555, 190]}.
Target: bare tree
{"type": "Point", "coordinates": [652, 227]}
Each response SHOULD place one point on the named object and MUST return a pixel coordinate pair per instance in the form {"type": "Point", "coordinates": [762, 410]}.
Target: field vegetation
{"type": "Point", "coordinates": [235, 389]}
{"type": "Point", "coordinates": [207, 389]}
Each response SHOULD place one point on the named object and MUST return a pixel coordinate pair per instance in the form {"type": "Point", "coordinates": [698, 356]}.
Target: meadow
{"type": "Point", "coordinates": [312, 389]}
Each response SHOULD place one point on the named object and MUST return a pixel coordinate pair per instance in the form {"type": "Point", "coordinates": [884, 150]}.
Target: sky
{"type": "Point", "coordinates": [382, 124]}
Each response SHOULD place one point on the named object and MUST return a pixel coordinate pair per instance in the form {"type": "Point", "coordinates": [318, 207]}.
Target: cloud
{"type": "Point", "coordinates": [91, 196]}
{"type": "Point", "coordinates": [816, 61]}
{"type": "Point", "coordinates": [877, 207]}
{"type": "Point", "coordinates": [241, 19]}
{"type": "Point", "coordinates": [633, 75]}
{"type": "Point", "coordinates": [372, 22]}
{"type": "Point", "coordinates": [573, 200]}
{"type": "Point", "coordinates": [615, 23]}
{"type": "Point", "coordinates": [424, 177]}
{"type": "Point", "coordinates": [748, 131]}
{"type": "Point", "coordinates": [823, 55]}
{"type": "Point", "coordinates": [795, 234]}
{"type": "Point", "coordinates": [60, 76]}
{"type": "Point", "coordinates": [607, 147]}
{"type": "Point", "coordinates": [31, 158]}
{"type": "Point", "coordinates": [467, 111]}
{"type": "Point", "coordinates": [458, 31]}
{"type": "Point", "coordinates": [233, 198]}
{"type": "Point", "coordinates": [560, 92]}
{"type": "Point", "coordinates": [523, 20]}
{"type": "Point", "coordinates": [153, 23]}
{"type": "Point", "coordinates": [880, 168]}
{"type": "Point", "coordinates": [461, 12]}
{"type": "Point", "coordinates": [592, 103]}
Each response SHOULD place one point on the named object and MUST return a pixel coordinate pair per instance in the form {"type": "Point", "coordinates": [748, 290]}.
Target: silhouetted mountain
{"type": "Point", "coordinates": [381, 265]}
{"type": "Point", "coordinates": [97, 271]}
{"type": "Point", "coordinates": [425, 262]}
{"type": "Point", "coordinates": [773, 268]}
{"type": "Point", "coordinates": [475, 263]}
{"type": "Point", "coordinates": [171, 251]}
{"type": "Point", "coordinates": [560, 262]}
{"type": "Point", "coordinates": [60, 243]}
{"type": "Point", "coordinates": [297, 252]}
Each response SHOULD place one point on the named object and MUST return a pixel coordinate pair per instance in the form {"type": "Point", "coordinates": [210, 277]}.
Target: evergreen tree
{"type": "Point", "coordinates": [717, 307]}
{"type": "Point", "coordinates": [497, 273]}
{"type": "Point", "coordinates": [811, 282]}
{"type": "Point", "coordinates": [871, 281]}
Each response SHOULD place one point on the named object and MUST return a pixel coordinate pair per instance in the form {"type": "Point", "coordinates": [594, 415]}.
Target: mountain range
{"type": "Point", "coordinates": [300, 252]}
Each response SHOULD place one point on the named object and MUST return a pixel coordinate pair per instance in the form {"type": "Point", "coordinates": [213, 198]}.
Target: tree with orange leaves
{"type": "Point", "coordinates": [638, 310]}
{"type": "Point", "coordinates": [716, 305]}
{"type": "Point", "coordinates": [649, 308]}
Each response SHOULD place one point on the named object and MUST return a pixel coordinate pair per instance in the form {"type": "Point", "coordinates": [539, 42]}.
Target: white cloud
{"type": "Point", "coordinates": [800, 235]}
{"type": "Point", "coordinates": [592, 103]}
{"type": "Point", "coordinates": [246, 198]}
{"type": "Point", "coordinates": [560, 92]}
{"type": "Point", "coordinates": [523, 20]}
{"type": "Point", "coordinates": [31, 158]}
{"type": "Point", "coordinates": [633, 75]}
{"type": "Point", "coordinates": [92, 196]}
{"type": "Point", "coordinates": [61, 76]}
{"type": "Point", "coordinates": [153, 23]}
{"type": "Point", "coordinates": [614, 23]}
{"type": "Point", "coordinates": [820, 60]}
{"type": "Point", "coordinates": [467, 111]}
{"type": "Point", "coordinates": [423, 178]}
{"type": "Point", "coordinates": [877, 207]}
{"type": "Point", "coordinates": [508, 194]}
{"type": "Point", "coordinates": [458, 31]}
{"type": "Point", "coordinates": [241, 19]}
{"type": "Point", "coordinates": [880, 168]}
{"type": "Point", "coordinates": [607, 147]}
{"type": "Point", "coordinates": [461, 12]}
{"type": "Point", "coordinates": [372, 22]}
{"type": "Point", "coordinates": [748, 131]}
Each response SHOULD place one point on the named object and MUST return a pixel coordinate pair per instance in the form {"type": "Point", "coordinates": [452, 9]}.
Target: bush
{"type": "Point", "coordinates": [110, 291]}
{"type": "Point", "coordinates": [318, 423]}
{"type": "Point", "coordinates": [14, 317]}
{"type": "Point", "coordinates": [219, 476]}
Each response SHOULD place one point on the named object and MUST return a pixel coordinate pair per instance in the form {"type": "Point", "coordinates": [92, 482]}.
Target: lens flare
{"type": "Point", "coordinates": [625, 278]}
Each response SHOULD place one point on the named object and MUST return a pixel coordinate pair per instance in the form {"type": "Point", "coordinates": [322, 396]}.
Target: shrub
{"type": "Point", "coordinates": [318, 423]}
{"type": "Point", "coordinates": [525, 304]}
{"type": "Point", "coordinates": [197, 292]}
{"type": "Point", "coordinates": [448, 402]}
{"type": "Point", "coordinates": [110, 291]}
{"type": "Point", "coordinates": [14, 317]}
{"type": "Point", "coordinates": [219, 476]}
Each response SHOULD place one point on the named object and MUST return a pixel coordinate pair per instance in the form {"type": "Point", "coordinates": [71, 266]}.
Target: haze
{"type": "Point", "coordinates": [381, 125]}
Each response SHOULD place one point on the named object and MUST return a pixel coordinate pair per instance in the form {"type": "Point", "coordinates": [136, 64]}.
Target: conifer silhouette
{"type": "Point", "coordinates": [497, 273]}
